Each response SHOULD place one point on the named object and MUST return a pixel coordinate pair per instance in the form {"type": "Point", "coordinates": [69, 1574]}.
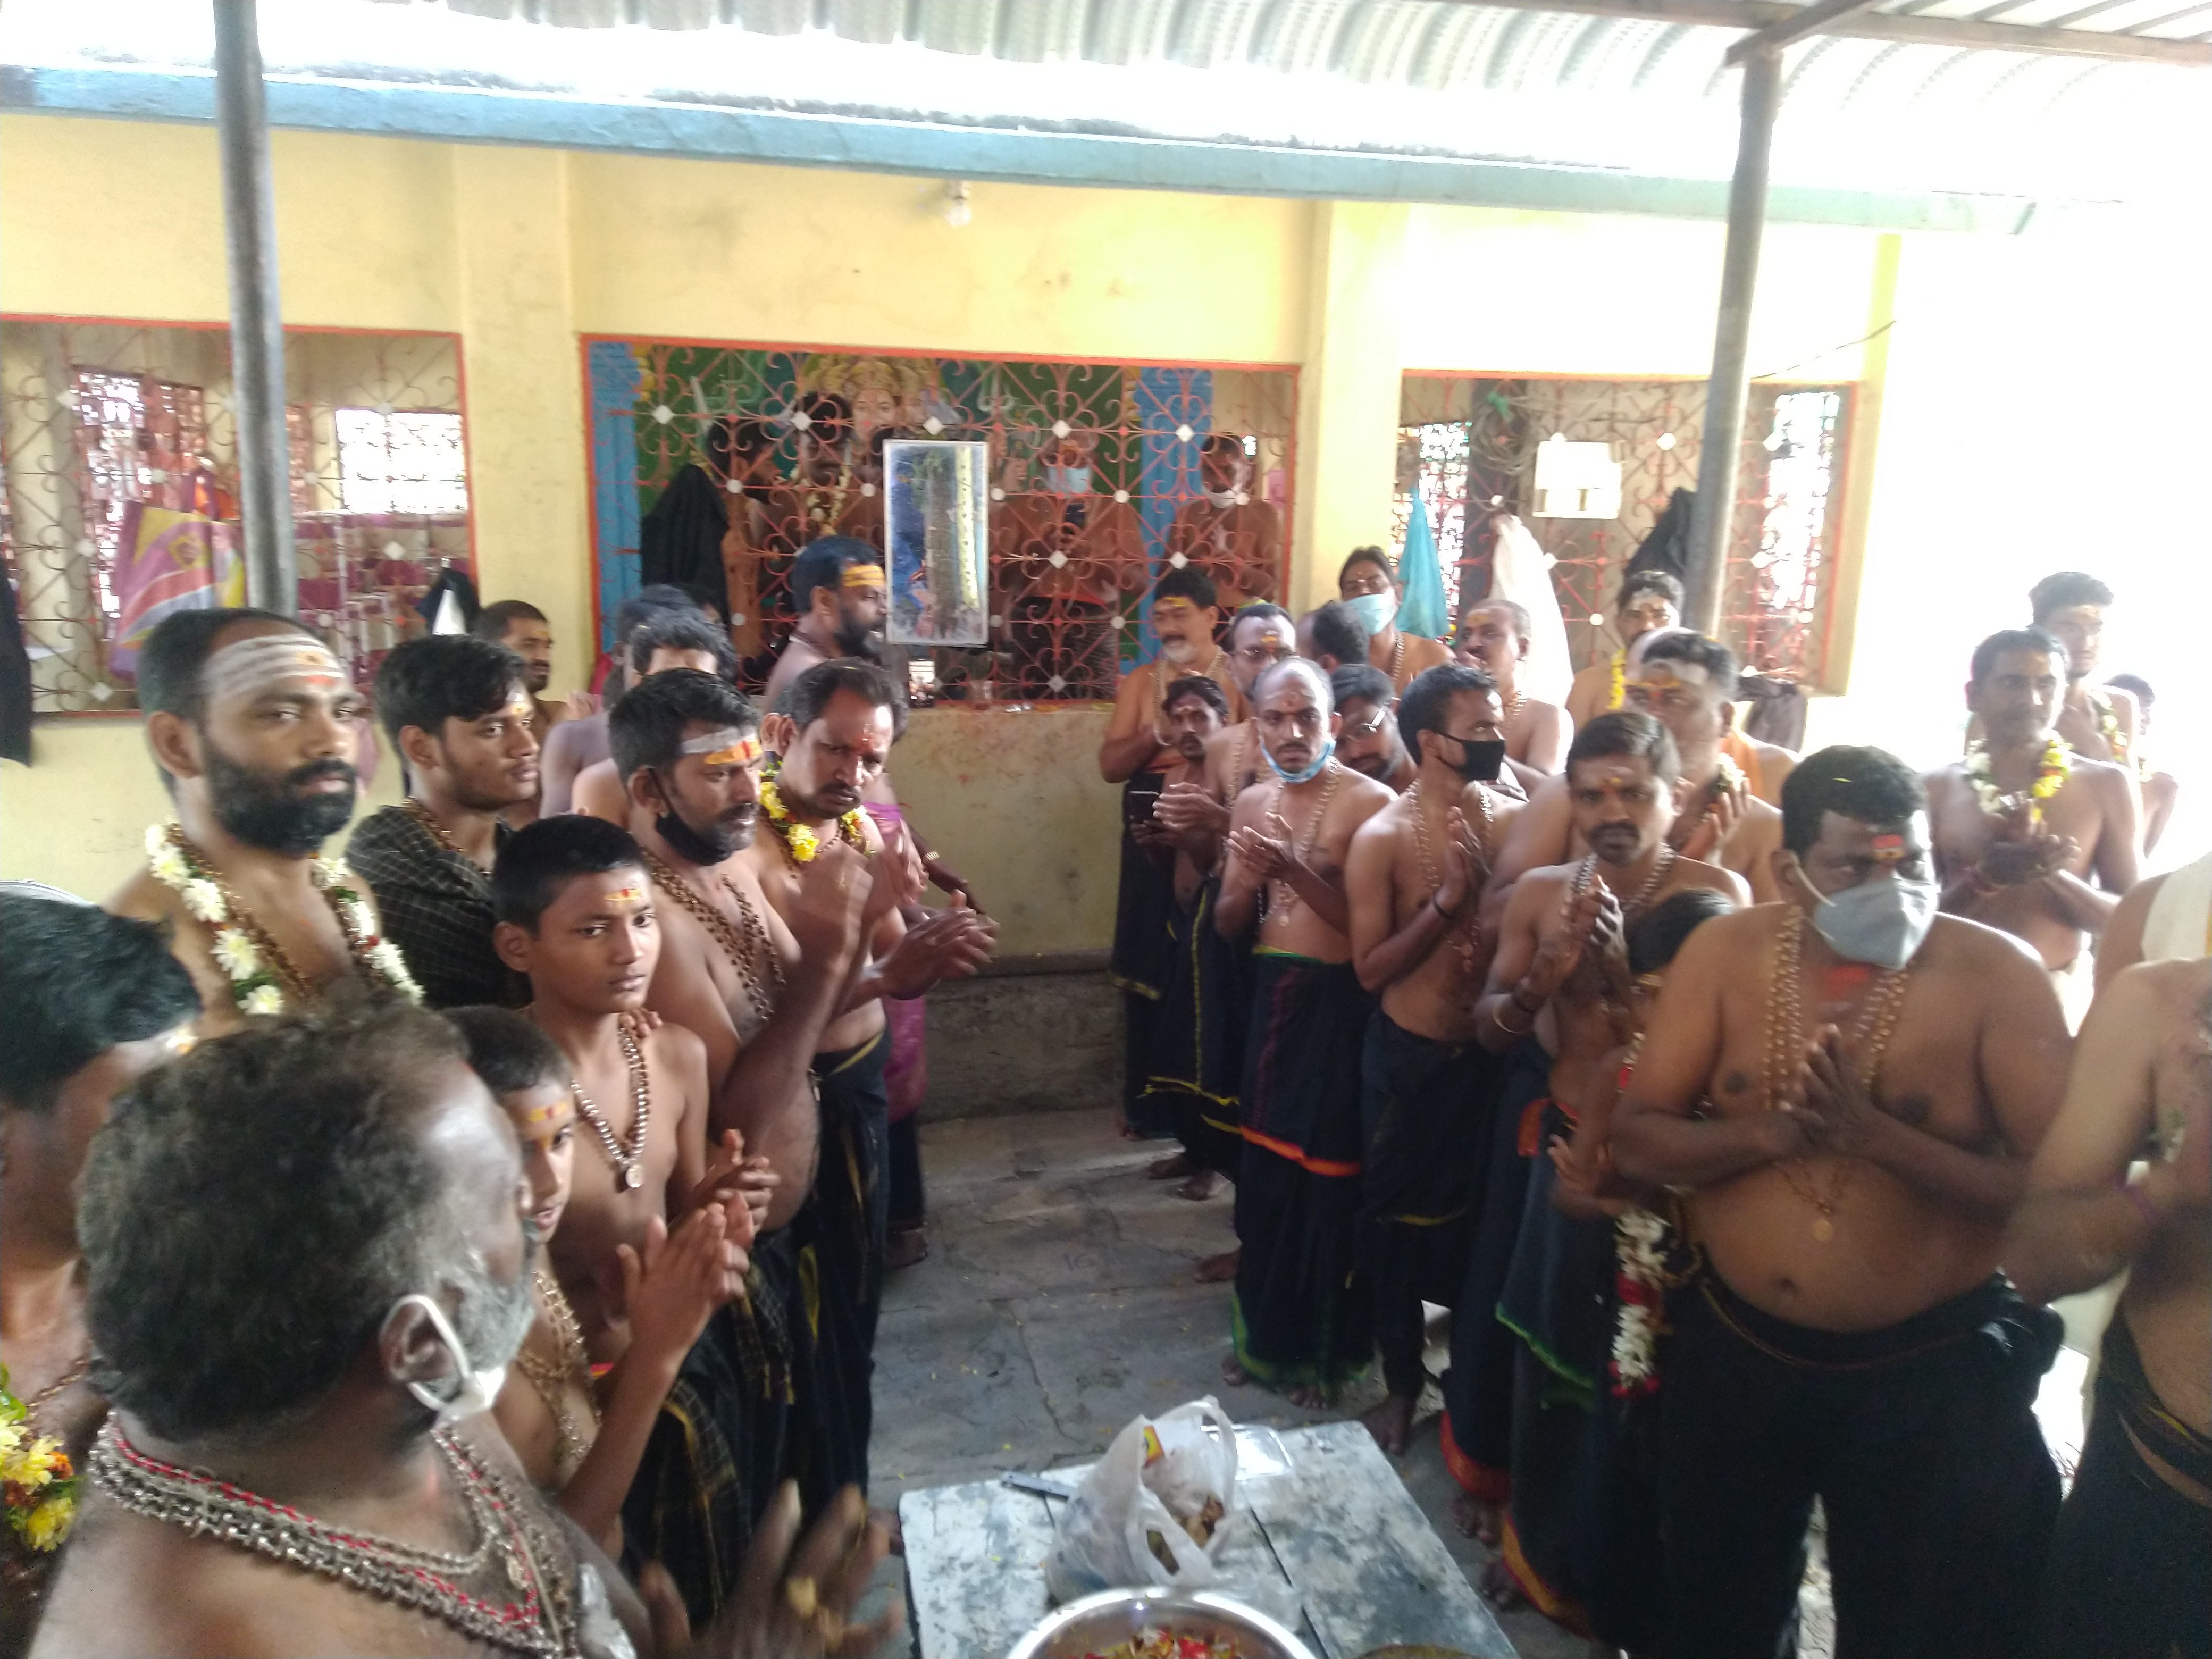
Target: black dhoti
{"type": "Point", "coordinates": [1421, 1109]}
{"type": "Point", "coordinates": [840, 1233]}
{"type": "Point", "coordinates": [1478, 1426]}
{"type": "Point", "coordinates": [1198, 1037]}
{"type": "Point", "coordinates": [1300, 1314]}
{"type": "Point", "coordinates": [718, 1449]}
{"type": "Point", "coordinates": [1145, 910]}
{"type": "Point", "coordinates": [1919, 1439]}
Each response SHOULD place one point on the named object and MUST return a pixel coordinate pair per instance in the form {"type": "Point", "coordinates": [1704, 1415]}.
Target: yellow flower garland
{"type": "Point", "coordinates": [37, 1482]}
{"type": "Point", "coordinates": [1619, 692]}
{"type": "Point", "coordinates": [798, 839]}
{"type": "Point", "coordinates": [2051, 774]}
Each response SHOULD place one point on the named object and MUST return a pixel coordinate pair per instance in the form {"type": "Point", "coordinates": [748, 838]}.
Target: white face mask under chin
{"type": "Point", "coordinates": [476, 1389]}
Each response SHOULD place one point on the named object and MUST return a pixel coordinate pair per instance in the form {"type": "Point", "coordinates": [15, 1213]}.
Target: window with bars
{"type": "Point", "coordinates": [712, 465]}
{"type": "Point", "coordinates": [107, 426]}
{"type": "Point", "coordinates": [1467, 447]}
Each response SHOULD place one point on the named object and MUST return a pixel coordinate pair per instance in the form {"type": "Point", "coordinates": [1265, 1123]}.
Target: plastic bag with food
{"type": "Point", "coordinates": [1156, 1510]}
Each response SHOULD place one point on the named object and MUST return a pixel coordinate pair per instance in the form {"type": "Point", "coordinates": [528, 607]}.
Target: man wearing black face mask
{"type": "Point", "coordinates": [458, 709]}
{"type": "Point", "coordinates": [1851, 1085]}
{"type": "Point", "coordinates": [1415, 880]}
{"type": "Point", "coordinates": [250, 721]}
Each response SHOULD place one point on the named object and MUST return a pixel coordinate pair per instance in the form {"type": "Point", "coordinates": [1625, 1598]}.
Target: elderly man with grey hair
{"type": "Point", "coordinates": [308, 1264]}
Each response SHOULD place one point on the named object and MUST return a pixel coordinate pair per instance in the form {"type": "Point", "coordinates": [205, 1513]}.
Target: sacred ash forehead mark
{"type": "Point", "coordinates": [862, 576]}
{"type": "Point", "coordinates": [1669, 671]}
{"type": "Point", "coordinates": [256, 666]}
{"type": "Point", "coordinates": [726, 747]}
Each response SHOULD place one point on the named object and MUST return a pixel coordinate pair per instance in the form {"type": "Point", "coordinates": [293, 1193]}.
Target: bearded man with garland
{"type": "Point", "coordinates": [298, 1450]}
{"type": "Point", "coordinates": [252, 724]}
{"type": "Point", "coordinates": [1851, 1087]}
{"type": "Point", "coordinates": [2032, 838]}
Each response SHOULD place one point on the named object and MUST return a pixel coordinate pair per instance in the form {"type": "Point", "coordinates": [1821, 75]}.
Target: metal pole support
{"type": "Point", "coordinates": [257, 327]}
{"type": "Point", "coordinates": [1724, 396]}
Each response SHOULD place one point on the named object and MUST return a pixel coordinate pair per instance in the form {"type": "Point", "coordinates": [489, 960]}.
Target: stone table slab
{"type": "Point", "coordinates": [1338, 1527]}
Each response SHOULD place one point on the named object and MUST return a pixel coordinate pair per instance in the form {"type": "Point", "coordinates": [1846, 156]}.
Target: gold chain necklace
{"type": "Point", "coordinates": [436, 831]}
{"type": "Point", "coordinates": [1464, 930]}
{"type": "Point", "coordinates": [59, 1385]}
{"type": "Point", "coordinates": [1333, 775]}
{"type": "Point", "coordinates": [1634, 908]}
{"type": "Point", "coordinates": [628, 1176]}
{"type": "Point", "coordinates": [551, 1381]}
{"type": "Point", "coordinates": [746, 950]}
{"type": "Point", "coordinates": [1785, 1041]}
{"type": "Point", "coordinates": [1514, 706]}
{"type": "Point", "coordinates": [1397, 660]}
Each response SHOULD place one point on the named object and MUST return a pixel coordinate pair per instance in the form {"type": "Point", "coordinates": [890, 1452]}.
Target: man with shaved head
{"type": "Point", "coordinates": [1300, 1323]}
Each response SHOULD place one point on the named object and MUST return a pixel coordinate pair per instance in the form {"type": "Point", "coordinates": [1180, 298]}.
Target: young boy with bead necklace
{"type": "Point", "coordinates": [580, 1439]}
{"type": "Point", "coordinates": [576, 914]}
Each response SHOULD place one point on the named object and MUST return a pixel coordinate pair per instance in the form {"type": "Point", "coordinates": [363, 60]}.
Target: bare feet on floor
{"type": "Point", "coordinates": [889, 1518]}
{"type": "Point", "coordinates": [906, 1247]}
{"type": "Point", "coordinates": [1219, 1269]}
{"type": "Point", "coordinates": [1391, 1423]}
{"type": "Point", "coordinates": [1308, 1399]}
{"type": "Point", "coordinates": [1169, 1169]}
{"type": "Point", "coordinates": [1233, 1374]}
{"type": "Point", "coordinates": [1499, 1588]}
{"type": "Point", "coordinates": [1202, 1186]}
{"type": "Point", "coordinates": [1476, 1519]}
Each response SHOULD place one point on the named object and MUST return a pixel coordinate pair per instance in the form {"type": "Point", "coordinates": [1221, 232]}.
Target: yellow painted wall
{"type": "Point", "coordinates": [521, 252]}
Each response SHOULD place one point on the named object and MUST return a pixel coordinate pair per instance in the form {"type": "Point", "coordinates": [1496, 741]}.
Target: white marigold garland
{"type": "Point", "coordinates": [254, 986]}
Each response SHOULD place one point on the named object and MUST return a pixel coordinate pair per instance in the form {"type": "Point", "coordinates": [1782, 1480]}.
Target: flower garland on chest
{"type": "Point", "coordinates": [263, 979]}
{"type": "Point", "coordinates": [2052, 772]}
{"type": "Point", "coordinates": [41, 1486]}
{"type": "Point", "coordinates": [800, 843]}
{"type": "Point", "coordinates": [1617, 693]}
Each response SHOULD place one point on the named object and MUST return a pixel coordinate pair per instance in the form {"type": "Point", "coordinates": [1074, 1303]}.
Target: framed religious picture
{"type": "Point", "coordinates": [936, 503]}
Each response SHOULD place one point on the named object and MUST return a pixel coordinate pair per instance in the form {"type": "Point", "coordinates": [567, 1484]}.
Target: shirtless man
{"type": "Point", "coordinates": [844, 717]}
{"type": "Point", "coordinates": [1414, 880]}
{"type": "Point", "coordinates": [2021, 825]}
{"type": "Point", "coordinates": [1684, 681]}
{"type": "Point", "coordinates": [1300, 1324]}
{"type": "Point", "coordinates": [577, 744]}
{"type": "Point", "coordinates": [578, 915]}
{"type": "Point", "coordinates": [1493, 635]}
{"type": "Point", "coordinates": [1561, 971]}
{"type": "Point", "coordinates": [1061, 557]}
{"type": "Point", "coordinates": [1650, 600]}
{"type": "Point", "coordinates": [521, 627]}
{"type": "Point", "coordinates": [1259, 636]}
{"type": "Point", "coordinates": [1184, 617]}
{"type": "Point", "coordinates": [1367, 584]}
{"type": "Point", "coordinates": [1371, 739]}
{"type": "Point", "coordinates": [253, 723]}
{"type": "Point", "coordinates": [94, 1002]}
{"type": "Point", "coordinates": [669, 639]}
{"type": "Point", "coordinates": [2104, 722]}
{"type": "Point", "coordinates": [837, 588]}
{"type": "Point", "coordinates": [1227, 534]}
{"type": "Point", "coordinates": [2131, 1573]}
{"type": "Point", "coordinates": [1333, 635]}
{"type": "Point", "coordinates": [2162, 917]}
{"type": "Point", "coordinates": [1850, 1085]}
{"type": "Point", "coordinates": [337, 1391]}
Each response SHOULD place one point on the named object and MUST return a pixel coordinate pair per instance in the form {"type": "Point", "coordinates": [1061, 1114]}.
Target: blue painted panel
{"type": "Point", "coordinates": [1168, 401]}
{"type": "Point", "coordinates": [878, 144]}
{"type": "Point", "coordinates": [614, 386]}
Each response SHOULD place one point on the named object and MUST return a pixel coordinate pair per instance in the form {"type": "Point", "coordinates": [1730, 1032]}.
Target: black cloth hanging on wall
{"type": "Point", "coordinates": [680, 541]}
{"type": "Point", "coordinates": [455, 580]}
{"type": "Point", "coordinates": [1667, 547]}
{"type": "Point", "coordinates": [14, 683]}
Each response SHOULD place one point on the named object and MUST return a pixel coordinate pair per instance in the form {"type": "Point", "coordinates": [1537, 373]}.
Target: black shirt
{"type": "Point", "coordinates": [435, 906]}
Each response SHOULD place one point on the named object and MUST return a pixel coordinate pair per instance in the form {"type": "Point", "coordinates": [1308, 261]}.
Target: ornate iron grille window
{"type": "Point", "coordinates": [1468, 444]}
{"type": "Point", "coordinates": [122, 487]}
{"type": "Point", "coordinates": [713, 464]}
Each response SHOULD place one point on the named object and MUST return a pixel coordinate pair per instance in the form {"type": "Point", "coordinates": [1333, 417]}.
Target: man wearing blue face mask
{"type": "Point", "coordinates": [1850, 1085]}
{"type": "Point", "coordinates": [1367, 584]}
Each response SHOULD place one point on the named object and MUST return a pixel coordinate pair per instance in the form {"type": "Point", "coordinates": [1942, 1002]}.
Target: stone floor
{"type": "Point", "coordinates": [1057, 1304]}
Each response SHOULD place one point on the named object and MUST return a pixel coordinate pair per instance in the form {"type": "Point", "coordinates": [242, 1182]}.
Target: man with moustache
{"type": "Point", "coordinates": [1561, 974]}
{"type": "Point", "coordinates": [1259, 636]}
{"type": "Point", "coordinates": [252, 721]}
{"type": "Point", "coordinates": [576, 745]}
{"type": "Point", "coordinates": [1137, 753]}
{"type": "Point", "coordinates": [844, 717]}
{"type": "Point", "coordinates": [664, 641]}
{"type": "Point", "coordinates": [1300, 1320]}
{"type": "Point", "coordinates": [837, 589]}
{"type": "Point", "coordinates": [457, 709]}
{"type": "Point", "coordinates": [1235, 540]}
{"type": "Point", "coordinates": [2023, 824]}
{"type": "Point", "coordinates": [1851, 1087]}
{"type": "Point", "coordinates": [1176, 1071]}
{"type": "Point", "coordinates": [2104, 722]}
{"type": "Point", "coordinates": [521, 627]}
{"type": "Point", "coordinates": [1370, 586]}
{"type": "Point", "coordinates": [1493, 635]}
{"type": "Point", "coordinates": [298, 1453]}
{"type": "Point", "coordinates": [1371, 741]}
{"type": "Point", "coordinates": [1415, 880]}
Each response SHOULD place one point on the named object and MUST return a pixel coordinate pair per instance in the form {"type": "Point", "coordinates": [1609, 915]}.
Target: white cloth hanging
{"type": "Point", "coordinates": [1520, 570]}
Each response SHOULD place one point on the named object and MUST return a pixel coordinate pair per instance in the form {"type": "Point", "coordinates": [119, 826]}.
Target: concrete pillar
{"type": "Point", "coordinates": [525, 391]}
{"type": "Point", "coordinates": [1347, 391]}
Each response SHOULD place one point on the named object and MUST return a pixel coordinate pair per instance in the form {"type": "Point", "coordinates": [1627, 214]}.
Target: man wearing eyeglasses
{"type": "Point", "coordinates": [1369, 743]}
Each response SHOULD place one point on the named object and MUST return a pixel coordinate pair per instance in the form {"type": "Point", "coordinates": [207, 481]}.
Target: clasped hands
{"type": "Point", "coordinates": [2022, 851]}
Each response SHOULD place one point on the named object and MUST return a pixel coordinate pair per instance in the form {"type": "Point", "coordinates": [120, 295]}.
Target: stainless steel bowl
{"type": "Point", "coordinates": [1099, 1621]}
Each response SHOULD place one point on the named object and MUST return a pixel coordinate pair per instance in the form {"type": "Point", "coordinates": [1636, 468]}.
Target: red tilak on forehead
{"type": "Point", "coordinates": [1889, 848]}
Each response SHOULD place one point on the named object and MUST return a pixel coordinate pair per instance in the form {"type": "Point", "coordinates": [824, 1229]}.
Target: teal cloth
{"type": "Point", "coordinates": [1421, 579]}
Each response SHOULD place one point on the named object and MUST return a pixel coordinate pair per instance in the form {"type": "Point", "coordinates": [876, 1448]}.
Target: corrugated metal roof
{"type": "Point", "coordinates": [1414, 78]}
